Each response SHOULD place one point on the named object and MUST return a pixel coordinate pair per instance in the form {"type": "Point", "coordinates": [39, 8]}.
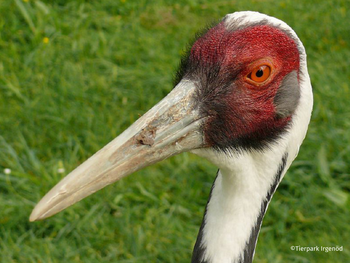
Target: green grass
{"type": "Point", "coordinates": [74, 74]}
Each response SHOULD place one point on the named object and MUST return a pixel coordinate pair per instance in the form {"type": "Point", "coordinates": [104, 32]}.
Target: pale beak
{"type": "Point", "coordinates": [172, 126]}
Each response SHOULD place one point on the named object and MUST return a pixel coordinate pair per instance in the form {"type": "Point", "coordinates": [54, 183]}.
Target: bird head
{"type": "Point", "coordinates": [247, 82]}
{"type": "Point", "coordinates": [242, 87]}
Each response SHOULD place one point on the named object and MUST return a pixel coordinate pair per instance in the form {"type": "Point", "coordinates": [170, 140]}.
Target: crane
{"type": "Point", "coordinates": [243, 100]}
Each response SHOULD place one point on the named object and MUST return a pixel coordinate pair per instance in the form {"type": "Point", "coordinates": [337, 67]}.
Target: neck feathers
{"type": "Point", "coordinates": [234, 213]}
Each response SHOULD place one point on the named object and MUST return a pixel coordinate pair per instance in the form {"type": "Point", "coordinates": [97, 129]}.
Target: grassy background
{"type": "Point", "coordinates": [74, 74]}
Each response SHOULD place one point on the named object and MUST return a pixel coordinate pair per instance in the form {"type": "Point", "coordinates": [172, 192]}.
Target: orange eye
{"type": "Point", "coordinates": [260, 74]}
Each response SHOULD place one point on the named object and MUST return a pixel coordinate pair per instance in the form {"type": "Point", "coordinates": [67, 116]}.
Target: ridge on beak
{"type": "Point", "coordinates": [172, 126]}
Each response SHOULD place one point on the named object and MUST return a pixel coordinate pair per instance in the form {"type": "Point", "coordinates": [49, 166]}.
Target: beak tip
{"type": "Point", "coordinates": [34, 216]}
{"type": "Point", "coordinates": [38, 214]}
{"type": "Point", "coordinates": [32, 219]}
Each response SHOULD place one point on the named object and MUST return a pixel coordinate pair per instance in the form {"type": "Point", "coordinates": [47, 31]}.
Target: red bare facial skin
{"type": "Point", "coordinates": [248, 111]}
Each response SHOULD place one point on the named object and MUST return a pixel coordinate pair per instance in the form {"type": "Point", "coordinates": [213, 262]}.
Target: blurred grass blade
{"type": "Point", "coordinates": [14, 90]}
{"type": "Point", "coordinates": [323, 165]}
{"type": "Point", "coordinates": [337, 196]}
{"type": "Point", "coordinates": [9, 156]}
{"type": "Point", "coordinates": [25, 14]}
{"type": "Point", "coordinates": [42, 7]}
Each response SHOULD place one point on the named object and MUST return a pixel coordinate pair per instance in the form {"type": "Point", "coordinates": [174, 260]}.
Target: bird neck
{"type": "Point", "coordinates": [236, 207]}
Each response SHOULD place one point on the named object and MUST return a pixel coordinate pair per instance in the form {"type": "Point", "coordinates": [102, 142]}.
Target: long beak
{"type": "Point", "coordinates": [170, 127]}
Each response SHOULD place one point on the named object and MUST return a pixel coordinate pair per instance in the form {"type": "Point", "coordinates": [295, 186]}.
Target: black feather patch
{"type": "Point", "coordinates": [198, 251]}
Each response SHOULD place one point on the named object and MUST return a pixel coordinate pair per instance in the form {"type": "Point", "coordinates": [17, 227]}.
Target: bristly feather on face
{"type": "Point", "coordinates": [243, 116]}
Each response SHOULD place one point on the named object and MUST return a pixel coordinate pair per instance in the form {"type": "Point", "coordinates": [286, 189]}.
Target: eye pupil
{"type": "Point", "coordinates": [259, 73]}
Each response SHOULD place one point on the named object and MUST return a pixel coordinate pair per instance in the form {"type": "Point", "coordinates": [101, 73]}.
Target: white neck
{"type": "Point", "coordinates": [238, 202]}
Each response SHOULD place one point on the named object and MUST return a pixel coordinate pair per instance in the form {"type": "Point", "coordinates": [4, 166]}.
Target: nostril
{"type": "Point", "coordinates": [146, 137]}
